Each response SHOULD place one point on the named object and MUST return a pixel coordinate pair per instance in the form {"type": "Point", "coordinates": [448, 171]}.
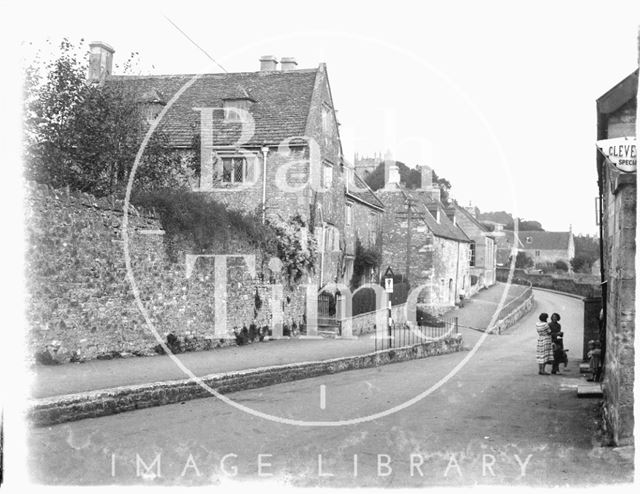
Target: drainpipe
{"type": "Point", "coordinates": [265, 151]}
{"type": "Point", "coordinates": [322, 247]}
{"type": "Point", "coordinates": [455, 295]}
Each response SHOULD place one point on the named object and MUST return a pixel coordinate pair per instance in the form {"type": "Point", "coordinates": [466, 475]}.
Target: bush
{"type": "Point", "coordinates": [523, 261]}
{"type": "Point", "coordinates": [425, 318]}
{"type": "Point", "coordinates": [561, 265]}
{"type": "Point", "coordinates": [581, 264]}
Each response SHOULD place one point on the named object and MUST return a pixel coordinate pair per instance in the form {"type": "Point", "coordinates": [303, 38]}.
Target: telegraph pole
{"type": "Point", "coordinates": [409, 206]}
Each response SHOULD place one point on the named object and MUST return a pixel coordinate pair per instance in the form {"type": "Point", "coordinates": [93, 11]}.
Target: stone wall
{"type": "Point", "coordinates": [394, 243]}
{"type": "Point", "coordinates": [549, 256]}
{"type": "Point", "coordinates": [620, 252]}
{"type": "Point", "coordinates": [366, 323]}
{"type": "Point", "coordinates": [79, 406]}
{"type": "Point", "coordinates": [513, 311]}
{"type": "Point", "coordinates": [561, 284]}
{"type": "Point", "coordinates": [80, 304]}
{"type": "Point", "coordinates": [450, 271]}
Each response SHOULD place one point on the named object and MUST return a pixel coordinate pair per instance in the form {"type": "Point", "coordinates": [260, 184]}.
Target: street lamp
{"type": "Point", "coordinates": [388, 287]}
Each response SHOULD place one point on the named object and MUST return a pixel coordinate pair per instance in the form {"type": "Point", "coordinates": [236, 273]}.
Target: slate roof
{"type": "Point", "coordinates": [618, 95]}
{"type": "Point", "coordinates": [545, 240]}
{"type": "Point", "coordinates": [444, 229]}
{"type": "Point", "coordinates": [472, 218]}
{"type": "Point", "coordinates": [360, 191]}
{"type": "Point", "coordinates": [280, 106]}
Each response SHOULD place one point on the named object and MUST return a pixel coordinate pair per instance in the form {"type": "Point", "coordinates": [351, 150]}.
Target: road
{"type": "Point", "coordinates": [495, 421]}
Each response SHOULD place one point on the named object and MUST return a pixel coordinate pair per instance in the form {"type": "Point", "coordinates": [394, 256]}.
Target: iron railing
{"type": "Point", "coordinates": [406, 334]}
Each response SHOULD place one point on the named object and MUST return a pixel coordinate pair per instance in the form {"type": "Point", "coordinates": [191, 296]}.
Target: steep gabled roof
{"type": "Point", "coordinates": [358, 189]}
{"type": "Point", "coordinates": [545, 240]}
{"type": "Point", "coordinates": [620, 94]}
{"type": "Point", "coordinates": [472, 218]}
{"type": "Point", "coordinates": [445, 228]}
{"type": "Point", "coordinates": [280, 106]}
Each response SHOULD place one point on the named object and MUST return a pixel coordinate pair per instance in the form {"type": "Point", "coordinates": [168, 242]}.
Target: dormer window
{"type": "Point", "coordinates": [529, 240]}
{"type": "Point", "coordinates": [151, 103]}
{"type": "Point", "coordinates": [236, 110]}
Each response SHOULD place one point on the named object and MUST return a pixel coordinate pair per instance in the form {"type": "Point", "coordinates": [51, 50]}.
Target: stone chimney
{"type": "Point", "coordinates": [268, 63]}
{"type": "Point", "coordinates": [392, 181]}
{"type": "Point", "coordinates": [427, 186]}
{"type": "Point", "coordinates": [472, 210]}
{"type": "Point", "coordinates": [288, 63]}
{"type": "Point", "coordinates": [426, 177]}
{"type": "Point", "coordinates": [100, 61]}
{"type": "Point", "coordinates": [451, 214]}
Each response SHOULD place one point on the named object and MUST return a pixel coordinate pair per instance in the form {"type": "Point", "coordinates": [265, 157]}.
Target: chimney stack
{"type": "Point", "coordinates": [288, 63]}
{"type": "Point", "coordinates": [392, 181]}
{"type": "Point", "coordinates": [268, 63]}
{"type": "Point", "coordinates": [100, 61]}
{"type": "Point", "coordinates": [426, 177]}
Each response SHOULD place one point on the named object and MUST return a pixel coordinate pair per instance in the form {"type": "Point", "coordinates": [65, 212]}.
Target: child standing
{"type": "Point", "coordinates": [594, 360]}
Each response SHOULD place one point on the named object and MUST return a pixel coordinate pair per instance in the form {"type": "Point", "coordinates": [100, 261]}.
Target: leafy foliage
{"type": "Point", "coordinates": [84, 135]}
{"type": "Point", "coordinates": [587, 249]}
{"type": "Point", "coordinates": [411, 178]}
{"type": "Point", "coordinates": [581, 264]}
{"type": "Point", "coordinates": [561, 265]}
{"type": "Point", "coordinates": [208, 223]}
{"type": "Point", "coordinates": [523, 261]}
{"type": "Point", "coordinates": [364, 259]}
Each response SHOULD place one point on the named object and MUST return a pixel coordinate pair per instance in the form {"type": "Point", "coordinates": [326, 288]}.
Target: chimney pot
{"type": "Point", "coordinates": [288, 63]}
{"type": "Point", "coordinates": [268, 63]}
{"type": "Point", "coordinates": [100, 61]}
{"type": "Point", "coordinates": [426, 177]}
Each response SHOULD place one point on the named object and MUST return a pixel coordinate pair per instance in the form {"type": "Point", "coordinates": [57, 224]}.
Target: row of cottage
{"type": "Point", "coordinates": [271, 137]}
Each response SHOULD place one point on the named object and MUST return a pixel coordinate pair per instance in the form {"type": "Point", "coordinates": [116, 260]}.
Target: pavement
{"type": "Point", "coordinates": [483, 417]}
{"type": "Point", "coordinates": [49, 381]}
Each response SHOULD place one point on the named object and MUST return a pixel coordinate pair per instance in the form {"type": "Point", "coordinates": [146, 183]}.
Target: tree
{"type": "Point", "coordinates": [587, 248]}
{"type": "Point", "coordinates": [560, 265]}
{"type": "Point", "coordinates": [411, 178]}
{"type": "Point", "coordinates": [86, 135]}
{"type": "Point", "coordinates": [581, 264]}
{"type": "Point", "coordinates": [523, 261]}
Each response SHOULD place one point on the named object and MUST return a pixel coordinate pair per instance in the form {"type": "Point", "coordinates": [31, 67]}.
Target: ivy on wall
{"type": "Point", "coordinates": [208, 223]}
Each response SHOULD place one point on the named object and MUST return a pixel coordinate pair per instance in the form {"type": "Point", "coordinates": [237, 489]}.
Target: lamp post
{"type": "Point", "coordinates": [388, 287]}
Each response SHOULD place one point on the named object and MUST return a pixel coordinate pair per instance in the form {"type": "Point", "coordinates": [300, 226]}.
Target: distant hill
{"type": "Point", "coordinates": [507, 220]}
{"type": "Point", "coordinates": [497, 216]}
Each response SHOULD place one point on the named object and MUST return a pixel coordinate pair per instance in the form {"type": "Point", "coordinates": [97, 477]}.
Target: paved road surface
{"type": "Point", "coordinates": [495, 410]}
{"type": "Point", "coordinates": [101, 374]}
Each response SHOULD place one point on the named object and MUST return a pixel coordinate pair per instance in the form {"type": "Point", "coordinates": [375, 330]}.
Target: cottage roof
{"type": "Point", "coordinates": [445, 228]}
{"type": "Point", "coordinates": [360, 191]}
{"type": "Point", "coordinates": [472, 218]}
{"type": "Point", "coordinates": [544, 240]}
{"type": "Point", "coordinates": [619, 94]}
{"type": "Point", "coordinates": [279, 103]}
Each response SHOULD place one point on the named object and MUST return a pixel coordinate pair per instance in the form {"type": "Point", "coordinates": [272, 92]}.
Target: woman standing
{"type": "Point", "coordinates": [556, 342]}
{"type": "Point", "coordinates": [544, 350]}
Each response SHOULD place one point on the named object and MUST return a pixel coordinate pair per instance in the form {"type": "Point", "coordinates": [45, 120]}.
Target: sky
{"type": "Point", "coordinates": [498, 97]}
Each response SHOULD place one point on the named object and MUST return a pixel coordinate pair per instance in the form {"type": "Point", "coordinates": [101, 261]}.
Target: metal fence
{"type": "Point", "coordinates": [407, 334]}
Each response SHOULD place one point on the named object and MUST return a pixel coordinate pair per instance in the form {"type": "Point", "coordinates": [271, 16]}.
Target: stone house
{"type": "Point", "coordinates": [482, 249]}
{"type": "Point", "coordinates": [547, 247]}
{"type": "Point", "coordinates": [268, 140]}
{"type": "Point", "coordinates": [616, 111]}
{"type": "Point", "coordinates": [420, 242]}
{"type": "Point", "coordinates": [363, 225]}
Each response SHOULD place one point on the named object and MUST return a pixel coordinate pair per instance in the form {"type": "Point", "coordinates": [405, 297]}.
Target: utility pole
{"type": "Point", "coordinates": [410, 204]}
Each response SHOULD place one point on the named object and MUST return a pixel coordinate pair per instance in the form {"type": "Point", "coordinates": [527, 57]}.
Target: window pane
{"type": "Point", "coordinates": [238, 170]}
{"type": "Point", "coordinates": [227, 168]}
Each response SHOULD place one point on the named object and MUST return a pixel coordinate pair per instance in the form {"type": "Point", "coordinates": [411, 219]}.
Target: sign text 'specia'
{"type": "Point", "coordinates": [621, 151]}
